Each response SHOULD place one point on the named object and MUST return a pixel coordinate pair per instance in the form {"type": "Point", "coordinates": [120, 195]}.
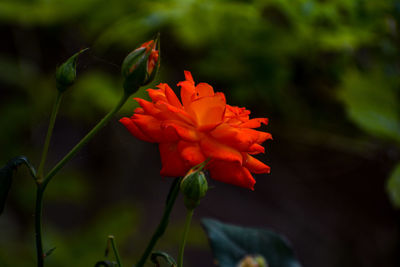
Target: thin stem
{"type": "Point", "coordinates": [84, 140]}
{"type": "Point", "coordinates": [39, 175]}
{"type": "Point", "coordinates": [114, 247]}
{"type": "Point", "coordinates": [38, 226]}
{"type": "Point", "coordinates": [189, 216]}
{"type": "Point", "coordinates": [42, 183]}
{"type": "Point", "coordinates": [163, 223]}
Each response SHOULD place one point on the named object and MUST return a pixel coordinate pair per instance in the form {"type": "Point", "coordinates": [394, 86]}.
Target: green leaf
{"type": "Point", "coordinates": [168, 259]}
{"type": "Point", "coordinates": [6, 177]}
{"type": "Point", "coordinates": [393, 186]}
{"type": "Point", "coordinates": [231, 244]}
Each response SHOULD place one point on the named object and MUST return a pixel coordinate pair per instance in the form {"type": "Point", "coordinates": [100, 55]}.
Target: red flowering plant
{"type": "Point", "coordinates": [197, 132]}
{"type": "Point", "coordinates": [198, 127]}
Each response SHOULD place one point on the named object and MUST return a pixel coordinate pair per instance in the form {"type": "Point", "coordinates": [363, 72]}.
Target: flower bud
{"type": "Point", "coordinates": [140, 66]}
{"type": "Point", "coordinates": [253, 261]}
{"type": "Point", "coordinates": [194, 187]}
{"type": "Point", "coordinates": [66, 73]}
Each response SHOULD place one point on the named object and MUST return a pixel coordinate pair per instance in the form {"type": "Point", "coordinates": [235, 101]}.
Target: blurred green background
{"type": "Point", "coordinates": [326, 74]}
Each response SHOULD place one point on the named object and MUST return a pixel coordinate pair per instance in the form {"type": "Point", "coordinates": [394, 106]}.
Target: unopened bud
{"type": "Point", "coordinates": [194, 186]}
{"type": "Point", "coordinates": [141, 65]}
{"type": "Point", "coordinates": [66, 73]}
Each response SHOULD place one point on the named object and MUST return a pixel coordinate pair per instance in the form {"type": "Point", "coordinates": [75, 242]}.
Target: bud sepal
{"type": "Point", "coordinates": [194, 186]}
{"type": "Point", "coordinates": [66, 73]}
{"type": "Point", "coordinates": [140, 67]}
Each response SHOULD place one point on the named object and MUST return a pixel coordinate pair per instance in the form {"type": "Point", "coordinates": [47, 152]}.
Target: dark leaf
{"type": "Point", "coordinates": [6, 173]}
{"type": "Point", "coordinates": [231, 244]}
{"type": "Point", "coordinates": [168, 259]}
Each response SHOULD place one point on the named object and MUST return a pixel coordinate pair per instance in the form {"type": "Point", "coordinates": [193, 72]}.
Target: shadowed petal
{"type": "Point", "coordinates": [184, 131]}
{"type": "Point", "coordinates": [215, 150]}
{"type": "Point", "coordinates": [151, 127]}
{"type": "Point", "coordinates": [173, 165]}
{"type": "Point", "coordinates": [240, 138]}
{"type": "Point", "coordinates": [134, 130]}
{"type": "Point", "coordinates": [191, 153]}
{"type": "Point", "coordinates": [231, 173]}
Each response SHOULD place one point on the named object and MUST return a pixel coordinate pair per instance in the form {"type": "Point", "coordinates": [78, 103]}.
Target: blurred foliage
{"type": "Point", "coordinates": [393, 186]}
{"type": "Point", "coordinates": [305, 64]}
{"type": "Point", "coordinates": [78, 248]}
{"type": "Point", "coordinates": [373, 103]}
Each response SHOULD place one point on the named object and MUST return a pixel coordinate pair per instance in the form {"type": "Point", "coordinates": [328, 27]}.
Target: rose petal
{"type": "Point", "coordinates": [215, 150]}
{"type": "Point", "coordinates": [184, 131]}
{"type": "Point", "coordinates": [191, 153]}
{"type": "Point", "coordinates": [138, 110]}
{"type": "Point", "coordinates": [208, 111]}
{"type": "Point", "coordinates": [134, 130]}
{"type": "Point", "coordinates": [263, 136]}
{"type": "Point", "coordinates": [254, 123]}
{"type": "Point", "coordinates": [151, 127]}
{"type": "Point", "coordinates": [204, 89]}
{"type": "Point", "coordinates": [157, 95]}
{"type": "Point", "coordinates": [254, 165]}
{"type": "Point", "coordinates": [148, 107]}
{"type": "Point", "coordinates": [231, 173]}
{"type": "Point", "coordinates": [172, 163]}
{"type": "Point", "coordinates": [171, 96]}
{"type": "Point", "coordinates": [170, 112]}
{"type": "Point", "coordinates": [240, 138]}
{"type": "Point", "coordinates": [187, 91]}
{"type": "Point", "coordinates": [188, 76]}
{"type": "Point", "coordinates": [255, 149]}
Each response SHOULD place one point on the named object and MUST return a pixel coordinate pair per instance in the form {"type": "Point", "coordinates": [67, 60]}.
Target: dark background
{"type": "Point", "coordinates": [326, 74]}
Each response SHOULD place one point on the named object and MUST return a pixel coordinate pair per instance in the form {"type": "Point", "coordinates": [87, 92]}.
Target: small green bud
{"type": "Point", "coordinates": [66, 73]}
{"type": "Point", "coordinates": [194, 186]}
{"type": "Point", "coordinates": [140, 67]}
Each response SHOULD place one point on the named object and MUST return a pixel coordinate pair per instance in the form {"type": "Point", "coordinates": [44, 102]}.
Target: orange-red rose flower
{"type": "Point", "coordinates": [198, 127]}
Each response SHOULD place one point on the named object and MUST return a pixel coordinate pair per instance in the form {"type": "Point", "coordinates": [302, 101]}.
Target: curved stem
{"type": "Point", "coordinates": [39, 175]}
{"type": "Point", "coordinates": [189, 216]}
{"type": "Point", "coordinates": [174, 191]}
{"type": "Point", "coordinates": [84, 140]}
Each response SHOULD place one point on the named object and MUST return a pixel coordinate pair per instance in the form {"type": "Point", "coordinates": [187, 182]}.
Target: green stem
{"type": "Point", "coordinates": [84, 140]}
{"type": "Point", "coordinates": [38, 226]}
{"type": "Point", "coordinates": [162, 226]}
{"type": "Point", "coordinates": [114, 247]}
{"type": "Point", "coordinates": [42, 183]}
{"type": "Point", "coordinates": [39, 175]}
{"type": "Point", "coordinates": [189, 216]}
